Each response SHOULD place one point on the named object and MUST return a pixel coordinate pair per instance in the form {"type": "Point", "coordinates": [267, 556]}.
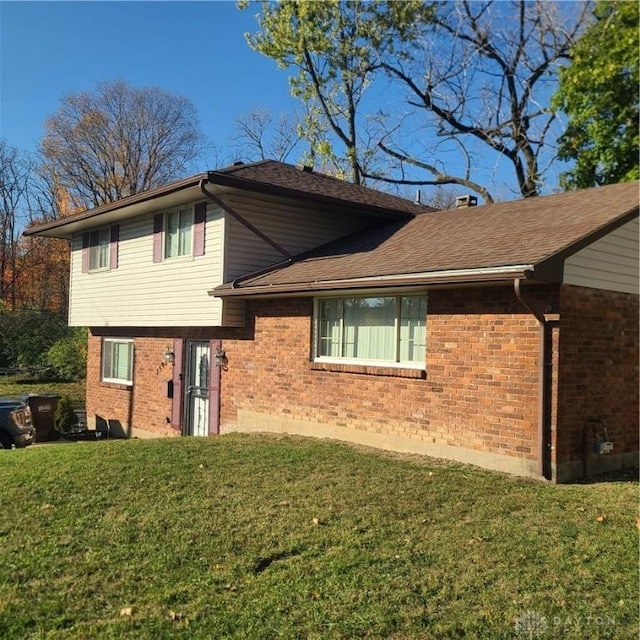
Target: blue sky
{"type": "Point", "coordinates": [194, 49]}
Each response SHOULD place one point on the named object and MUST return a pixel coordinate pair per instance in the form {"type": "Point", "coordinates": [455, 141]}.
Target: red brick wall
{"type": "Point", "coordinates": [480, 391]}
{"type": "Point", "coordinates": [150, 408]}
{"type": "Point", "coordinates": [598, 368]}
{"type": "Point", "coordinates": [481, 386]}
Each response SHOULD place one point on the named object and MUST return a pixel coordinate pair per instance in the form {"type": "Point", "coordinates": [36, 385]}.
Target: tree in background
{"type": "Point", "coordinates": [336, 49]}
{"type": "Point", "coordinates": [599, 94]}
{"type": "Point", "coordinates": [118, 141]}
{"type": "Point", "coordinates": [261, 135]}
{"type": "Point", "coordinates": [466, 79]}
{"type": "Point", "coordinates": [14, 181]}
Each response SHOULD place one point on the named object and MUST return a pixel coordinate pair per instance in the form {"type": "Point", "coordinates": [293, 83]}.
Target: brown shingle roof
{"type": "Point", "coordinates": [523, 232]}
{"type": "Point", "coordinates": [279, 177]}
{"type": "Point", "coordinates": [266, 176]}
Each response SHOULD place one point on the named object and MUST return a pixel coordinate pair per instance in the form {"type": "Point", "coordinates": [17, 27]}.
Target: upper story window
{"type": "Point", "coordinates": [177, 237]}
{"type": "Point", "coordinates": [100, 249]}
{"type": "Point", "coordinates": [179, 232]}
{"type": "Point", "coordinates": [385, 330]}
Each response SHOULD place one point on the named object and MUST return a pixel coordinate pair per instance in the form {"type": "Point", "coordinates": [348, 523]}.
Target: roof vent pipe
{"type": "Point", "coordinates": [464, 202]}
{"type": "Point", "coordinates": [305, 168]}
{"type": "Point", "coordinates": [418, 199]}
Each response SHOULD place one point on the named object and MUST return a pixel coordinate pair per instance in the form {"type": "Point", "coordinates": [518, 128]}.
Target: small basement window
{"type": "Point", "coordinates": [117, 360]}
{"type": "Point", "coordinates": [381, 330]}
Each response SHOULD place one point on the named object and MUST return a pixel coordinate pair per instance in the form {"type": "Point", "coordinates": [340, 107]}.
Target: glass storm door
{"type": "Point", "coordinates": [196, 389]}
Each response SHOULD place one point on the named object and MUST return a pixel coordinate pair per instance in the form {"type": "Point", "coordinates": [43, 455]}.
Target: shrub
{"type": "Point", "coordinates": [65, 418]}
{"type": "Point", "coordinates": [68, 356]}
{"type": "Point", "coordinates": [25, 337]}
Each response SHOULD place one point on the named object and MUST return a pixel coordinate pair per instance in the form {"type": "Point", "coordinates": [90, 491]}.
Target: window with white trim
{"type": "Point", "coordinates": [117, 360]}
{"type": "Point", "coordinates": [382, 330]}
{"type": "Point", "coordinates": [99, 242]}
{"type": "Point", "coordinates": [178, 232]}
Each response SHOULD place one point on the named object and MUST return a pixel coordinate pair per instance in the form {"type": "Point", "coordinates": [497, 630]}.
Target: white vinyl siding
{"type": "Point", "coordinates": [296, 227]}
{"type": "Point", "coordinates": [151, 292]}
{"type": "Point", "coordinates": [375, 330]}
{"type": "Point", "coordinates": [610, 263]}
{"type": "Point", "coordinates": [143, 293]}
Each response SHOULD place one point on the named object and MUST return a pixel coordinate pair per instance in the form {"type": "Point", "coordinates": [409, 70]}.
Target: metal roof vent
{"type": "Point", "coordinates": [464, 202]}
{"type": "Point", "coordinates": [238, 163]}
{"type": "Point", "coordinates": [306, 168]}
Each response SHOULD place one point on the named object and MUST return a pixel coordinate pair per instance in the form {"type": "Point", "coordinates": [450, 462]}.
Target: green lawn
{"type": "Point", "coordinates": [17, 386]}
{"type": "Point", "coordinates": [278, 537]}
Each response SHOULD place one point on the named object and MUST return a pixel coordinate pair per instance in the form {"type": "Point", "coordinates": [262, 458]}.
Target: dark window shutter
{"type": "Point", "coordinates": [176, 403]}
{"type": "Point", "coordinates": [199, 220]}
{"type": "Point", "coordinates": [158, 224]}
{"type": "Point", "coordinates": [113, 246]}
{"type": "Point", "coordinates": [86, 246]}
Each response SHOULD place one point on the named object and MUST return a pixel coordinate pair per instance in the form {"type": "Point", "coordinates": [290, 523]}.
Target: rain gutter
{"type": "Point", "coordinates": [457, 276]}
{"type": "Point", "coordinates": [544, 382]}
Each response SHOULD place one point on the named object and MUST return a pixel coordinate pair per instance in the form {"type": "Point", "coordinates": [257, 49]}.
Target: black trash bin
{"type": "Point", "coordinates": [43, 411]}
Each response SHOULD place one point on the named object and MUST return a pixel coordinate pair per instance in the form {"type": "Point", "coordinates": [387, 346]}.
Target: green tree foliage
{"type": "Point", "coordinates": [68, 355]}
{"type": "Point", "coordinates": [467, 81]}
{"type": "Point", "coordinates": [599, 93]}
{"type": "Point", "coordinates": [335, 48]}
{"type": "Point", "coordinates": [26, 336]}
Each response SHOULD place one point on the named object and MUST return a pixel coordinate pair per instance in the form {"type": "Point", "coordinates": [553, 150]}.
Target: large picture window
{"type": "Point", "coordinates": [378, 330]}
{"type": "Point", "coordinates": [117, 360]}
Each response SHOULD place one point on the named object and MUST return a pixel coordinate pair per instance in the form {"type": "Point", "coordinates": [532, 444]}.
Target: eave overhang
{"type": "Point", "coordinates": [174, 194]}
{"type": "Point", "coordinates": [188, 190]}
{"type": "Point", "coordinates": [245, 184]}
{"type": "Point", "coordinates": [439, 279]}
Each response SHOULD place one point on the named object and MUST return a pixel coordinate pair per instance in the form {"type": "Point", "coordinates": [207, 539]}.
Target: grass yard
{"type": "Point", "coordinates": [17, 386]}
{"type": "Point", "coordinates": [278, 537]}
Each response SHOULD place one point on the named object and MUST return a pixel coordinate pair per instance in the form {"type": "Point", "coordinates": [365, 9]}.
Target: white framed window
{"type": "Point", "coordinates": [99, 242]}
{"type": "Point", "coordinates": [382, 330]}
{"type": "Point", "coordinates": [117, 360]}
{"type": "Point", "coordinates": [178, 232]}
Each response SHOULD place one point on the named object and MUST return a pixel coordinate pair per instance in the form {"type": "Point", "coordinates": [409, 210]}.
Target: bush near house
{"type": "Point", "coordinates": [278, 537]}
{"type": "Point", "coordinates": [40, 344]}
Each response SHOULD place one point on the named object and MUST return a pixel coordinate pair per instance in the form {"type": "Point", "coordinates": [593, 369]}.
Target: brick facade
{"type": "Point", "coordinates": [477, 401]}
{"type": "Point", "coordinates": [598, 370]}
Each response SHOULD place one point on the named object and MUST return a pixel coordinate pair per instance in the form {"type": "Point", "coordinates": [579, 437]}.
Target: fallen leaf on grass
{"type": "Point", "coordinates": [175, 616]}
{"type": "Point", "coordinates": [126, 612]}
{"type": "Point", "coordinates": [638, 523]}
{"type": "Point", "coordinates": [315, 521]}
{"type": "Point", "coordinates": [601, 518]}
{"type": "Point", "coordinates": [46, 506]}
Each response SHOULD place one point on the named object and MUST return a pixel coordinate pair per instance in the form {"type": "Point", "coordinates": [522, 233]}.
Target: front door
{"type": "Point", "coordinates": [196, 389]}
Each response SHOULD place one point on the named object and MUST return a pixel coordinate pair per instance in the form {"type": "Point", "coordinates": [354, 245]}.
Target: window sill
{"type": "Point", "coordinates": [123, 386]}
{"type": "Point", "coordinates": [369, 370]}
